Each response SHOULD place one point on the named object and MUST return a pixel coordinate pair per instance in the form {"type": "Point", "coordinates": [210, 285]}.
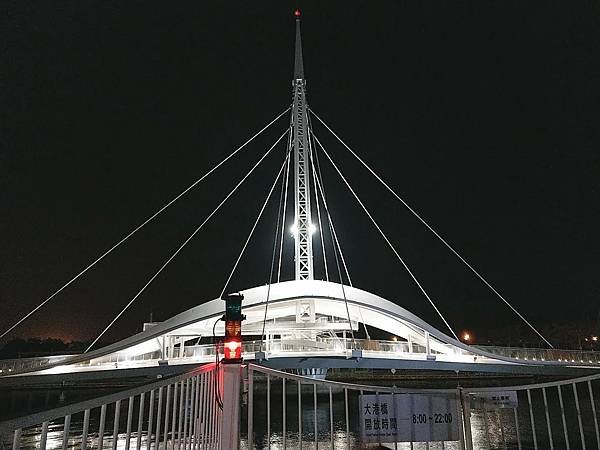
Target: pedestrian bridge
{"type": "Point", "coordinates": [293, 341]}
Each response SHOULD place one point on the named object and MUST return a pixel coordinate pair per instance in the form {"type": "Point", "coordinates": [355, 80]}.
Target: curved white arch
{"type": "Point", "coordinates": [328, 301]}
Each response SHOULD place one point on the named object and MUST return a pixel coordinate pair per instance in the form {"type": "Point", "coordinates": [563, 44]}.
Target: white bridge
{"type": "Point", "coordinates": [304, 324]}
{"type": "Point", "coordinates": [312, 347]}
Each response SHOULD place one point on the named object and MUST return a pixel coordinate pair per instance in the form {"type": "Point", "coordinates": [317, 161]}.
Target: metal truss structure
{"type": "Point", "coordinates": [299, 143]}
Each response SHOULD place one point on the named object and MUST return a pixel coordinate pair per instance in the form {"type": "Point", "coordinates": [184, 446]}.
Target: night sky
{"type": "Point", "coordinates": [482, 115]}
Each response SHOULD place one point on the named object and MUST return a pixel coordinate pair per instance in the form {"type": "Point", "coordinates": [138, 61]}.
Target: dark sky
{"type": "Point", "coordinates": [483, 115]}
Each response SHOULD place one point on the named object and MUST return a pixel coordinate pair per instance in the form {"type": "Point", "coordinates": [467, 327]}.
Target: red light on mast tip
{"type": "Point", "coordinates": [297, 13]}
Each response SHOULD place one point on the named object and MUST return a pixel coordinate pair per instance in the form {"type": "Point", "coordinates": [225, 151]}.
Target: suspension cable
{"type": "Point", "coordinates": [385, 237]}
{"type": "Point", "coordinates": [335, 253]}
{"type": "Point", "coordinates": [435, 233]}
{"type": "Point", "coordinates": [190, 237]}
{"type": "Point", "coordinates": [314, 176]}
{"type": "Point", "coordinates": [334, 238]}
{"type": "Point", "coordinates": [139, 227]}
{"type": "Point", "coordinates": [322, 191]}
{"type": "Point", "coordinates": [275, 240]}
{"type": "Point", "coordinates": [262, 209]}
{"type": "Point", "coordinates": [285, 196]}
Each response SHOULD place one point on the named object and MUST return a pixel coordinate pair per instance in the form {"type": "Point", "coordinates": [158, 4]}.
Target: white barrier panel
{"type": "Point", "coordinates": [408, 418]}
{"type": "Point", "coordinates": [495, 400]}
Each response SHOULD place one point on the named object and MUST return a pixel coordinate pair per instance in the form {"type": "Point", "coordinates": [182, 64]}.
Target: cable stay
{"type": "Point", "coordinates": [140, 226]}
{"type": "Point", "coordinates": [285, 196]}
{"type": "Point", "coordinates": [385, 237]}
{"type": "Point", "coordinates": [314, 177]}
{"type": "Point", "coordinates": [435, 233]}
{"type": "Point", "coordinates": [262, 209]}
{"type": "Point", "coordinates": [337, 262]}
{"type": "Point", "coordinates": [280, 223]}
{"type": "Point", "coordinates": [337, 248]}
{"type": "Point", "coordinates": [322, 238]}
{"type": "Point", "coordinates": [321, 191]}
{"type": "Point", "coordinates": [190, 237]}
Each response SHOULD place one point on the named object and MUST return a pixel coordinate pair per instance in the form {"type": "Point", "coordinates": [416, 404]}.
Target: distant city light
{"type": "Point", "coordinates": [594, 338]}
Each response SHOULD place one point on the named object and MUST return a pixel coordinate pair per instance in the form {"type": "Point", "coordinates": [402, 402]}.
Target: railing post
{"type": "Point", "coordinates": [250, 406]}
{"type": "Point", "coordinates": [581, 434]}
{"type": "Point", "coordinates": [594, 412]}
{"type": "Point", "coordinates": [564, 420]}
{"type": "Point", "coordinates": [548, 419]}
{"type": "Point", "coordinates": [44, 436]}
{"type": "Point", "coordinates": [533, 433]}
{"type": "Point", "coordinates": [466, 413]}
{"type": "Point", "coordinates": [230, 435]}
{"type": "Point", "coordinates": [17, 439]}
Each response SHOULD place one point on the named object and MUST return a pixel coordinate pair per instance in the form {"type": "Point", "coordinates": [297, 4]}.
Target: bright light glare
{"type": "Point", "coordinates": [233, 350]}
{"type": "Point", "coordinates": [311, 229]}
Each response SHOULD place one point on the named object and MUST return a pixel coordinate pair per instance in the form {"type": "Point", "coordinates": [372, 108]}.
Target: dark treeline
{"type": "Point", "coordinates": [31, 347]}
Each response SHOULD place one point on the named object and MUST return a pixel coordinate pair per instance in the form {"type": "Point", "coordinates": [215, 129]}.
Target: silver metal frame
{"type": "Point", "coordinates": [187, 399]}
{"type": "Point", "coordinates": [526, 434]}
{"type": "Point", "coordinates": [300, 146]}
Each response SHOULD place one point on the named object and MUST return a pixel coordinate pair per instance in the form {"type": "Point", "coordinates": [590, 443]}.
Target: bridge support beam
{"type": "Point", "coordinates": [230, 434]}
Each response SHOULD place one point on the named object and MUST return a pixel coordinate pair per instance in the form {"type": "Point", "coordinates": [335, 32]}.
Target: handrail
{"type": "Point", "coordinates": [51, 414]}
{"type": "Point", "coordinates": [281, 374]}
{"type": "Point", "coordinates": [524, 387]}
{"type": "Point", "coordinates": [514, 355]}
{"type": "Point", "coordinates": [521, 415]}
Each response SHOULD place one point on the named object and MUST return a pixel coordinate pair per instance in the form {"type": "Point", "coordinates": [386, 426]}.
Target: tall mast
{"type": "Point", "coordinates": [303, 226]}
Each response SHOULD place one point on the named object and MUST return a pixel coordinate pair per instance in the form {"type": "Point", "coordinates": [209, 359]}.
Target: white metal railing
{"type": "Point", "coordinates": [8, 366]}
{"type": "Point", "coordinates": [179, 411]}
{"type": "Point", "coordinates": [284, 410]}
{"type": "Point", "coordinates": [554, 415]}
{"type": "Point", "coordinates": [276, 347]}
{"type": "Point", "coordinates": [323, 413]}
{"type": "Point", "coordinates": [545, 354]}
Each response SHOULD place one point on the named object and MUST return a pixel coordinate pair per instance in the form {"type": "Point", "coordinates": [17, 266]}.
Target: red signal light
{"type": "Point", "coordinates": [232, 349]}
{"type": "Point", "coordinates": [232, 344]}
{"type": "Point", "coordinates": [297, 13]}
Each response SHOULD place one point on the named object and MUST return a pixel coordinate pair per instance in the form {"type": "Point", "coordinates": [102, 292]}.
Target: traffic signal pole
{"type": "Point", "coordinates": [230, 434]}
{"type": "Point", "coordinates": [231, 369]}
